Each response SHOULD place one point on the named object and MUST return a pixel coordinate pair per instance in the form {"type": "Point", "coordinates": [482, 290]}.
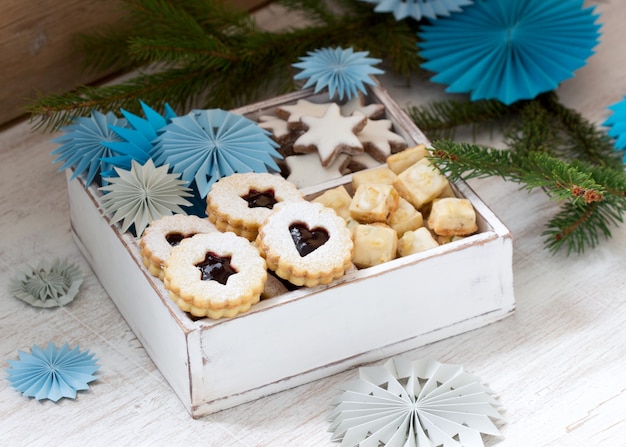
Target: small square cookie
{"type": "Point", "coordinates": [451, 216]}
{"type": "Point", "coordinates": [416, 241]}
{"type": "Point", "coordinates": [420, 183]}
{"type": "Point", "coordinates": [405, 218]}
{"type": "Point", "coordinates": [400, 161]}
{"type": "Point", "coordinates": [338, 199]}
{"type": "Point", "coordinates": [374, 203]}
{"type": "Point", "coordinates": [379, 175]}
{"type": "Point", "coordinates": [373, 244]}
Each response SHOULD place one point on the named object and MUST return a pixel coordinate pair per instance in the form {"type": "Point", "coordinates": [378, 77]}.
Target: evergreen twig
{"type": "Point", "coordinates": [211, 55]}
{"type": "Point", "coordinates": [594, 197]}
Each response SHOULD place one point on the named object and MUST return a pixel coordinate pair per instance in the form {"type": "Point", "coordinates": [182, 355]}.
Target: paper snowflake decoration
{"type": "Point", "coordinates": [52, 373]}
{"type": "Point", "coordinates": [83, 144]}
{"type": "Point", "coordinates": [509, 49]}
{"type": "Point", "coordinates": [136, 139]}
{"type": "Point", "coordinates": [143, 194]}
{"type": "Point", "coordinates": [343, 71]}
{"type": "Point", "coordinates": [420, 403]}
{"type": "Point", "coordinates": [49, 284]}
{"type": "Point", "coordinates": [205, 145]}
{"type": "Point", "coordinates": [617, 124]}
{"type": "Point", "coordinates": [418, 9]}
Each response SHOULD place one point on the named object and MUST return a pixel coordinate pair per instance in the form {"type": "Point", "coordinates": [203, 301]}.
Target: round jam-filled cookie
{"type": "Point", "coordinates": [306, 243]}
{"type": "Point", "coordinates": [241, 202]}
{"type": "Point", "coordinates": [165, 233]}
{"type": "Point", "coordinates": [215, 275]}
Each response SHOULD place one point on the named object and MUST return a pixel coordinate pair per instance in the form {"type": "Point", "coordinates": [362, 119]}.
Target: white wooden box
{"type": "Point", "coordinates": [305, 334]}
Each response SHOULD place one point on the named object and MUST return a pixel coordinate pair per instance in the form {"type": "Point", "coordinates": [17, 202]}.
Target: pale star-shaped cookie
{"type": "Point", "coordinates": [306, 170]}
{"type": "Point", "coordinates": [331, 134]}
{"type": "Point", "coordinates": [356, 104]}
{"type": "Point", "coordinates": [294, 112]}
{"type": "Point", "coordinates": [378, 139]}
{"type": "Point", "coordinates": [278, 127]}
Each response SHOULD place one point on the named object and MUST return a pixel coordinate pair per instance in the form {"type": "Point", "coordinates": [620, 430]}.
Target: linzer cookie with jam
{"type": "Point", "coordinates": [165, 233]}
{"type": "Point", "coordinates": [241, 202]}
{"type": "Point", "coordinates": [215, 275]}
{"type": "Point", "coordinates": [305, 243]}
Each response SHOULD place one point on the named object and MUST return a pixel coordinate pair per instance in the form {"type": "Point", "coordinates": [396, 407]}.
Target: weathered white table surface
{"type": "Point", "coordinates": [558, 365]}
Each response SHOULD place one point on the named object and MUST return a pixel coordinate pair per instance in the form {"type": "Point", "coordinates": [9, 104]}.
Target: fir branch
{"type": "Point", "coordinates": [585, 141]}
{"type": "Point", "coordinates": [57, 110]}
{"type": "Point", "coordinates": [213, 56]}
{"type": "Point", "coordinates": [440, 119]}
{"type": "Point", "coordinates": [594, 197]}
{"type": "Point", "coordinates": [579, 226]}
{"type": "Point", "coordinates": [533, 131]}
{"type": "Point", "coordinates": [467, 161]}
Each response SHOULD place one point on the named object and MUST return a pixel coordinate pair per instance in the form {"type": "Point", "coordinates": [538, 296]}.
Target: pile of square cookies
{"type": "Point", "coordinates": [402, 207]}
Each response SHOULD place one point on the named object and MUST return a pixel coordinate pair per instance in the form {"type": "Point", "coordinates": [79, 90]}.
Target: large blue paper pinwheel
{"type": "Point", "coordinates": [83, 144]}
{"type": "Point", "coordinates": [418, 9]}
{"type": "Point", "coordinates": [52, 373]}
{"type": "Point", "coordinates": [205, 145]}
{"type": "Point", "coordinates": [509, 49]}
{"type": "Point", "coordinates": [343, 71]}
{"type": "Point", "coordinates": [136, 140]}
{"type": "Point", "coordinates": [617, 124]}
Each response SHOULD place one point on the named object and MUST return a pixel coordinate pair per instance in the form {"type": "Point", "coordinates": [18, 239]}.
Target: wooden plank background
{"type": "Point", "coordinates": [36, 46]}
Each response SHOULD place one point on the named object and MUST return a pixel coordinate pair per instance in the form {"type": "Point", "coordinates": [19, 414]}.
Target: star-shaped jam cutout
{"type": "Point", "coordinates": [331, 134]}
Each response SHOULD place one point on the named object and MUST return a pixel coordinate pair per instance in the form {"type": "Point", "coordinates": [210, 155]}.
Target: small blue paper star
{"type": "Point", "coordinates": [83, 146]}
{"type": "Point", "coordinates": [418, 9]}
{"type": "Point", "coordinates": [205, 145]}
{"type": "Point", "coordinates": [136, 140]}
{"type": "Point", "coordinates": [52, 373]}
{"type": "Point", "coordinates": [509, 50]}
{"type": "Point", "coordinates": [343, 71]}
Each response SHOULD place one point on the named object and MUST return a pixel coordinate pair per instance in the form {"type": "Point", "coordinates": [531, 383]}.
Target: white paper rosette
{"type": "Point", "coordinates": [48, 284]}
{"type": "Point", "coordinates": [421, 403]}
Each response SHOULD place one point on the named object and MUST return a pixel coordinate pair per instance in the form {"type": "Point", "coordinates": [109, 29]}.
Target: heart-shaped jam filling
{"type": "Point", "coordinates": [175, 238]}
{"type": "Point", "coordinates": [216, 268]}
{"type": "Point", "coordinates": [307, 240]}
{"type": "Point", "coordinates": [260, 199]}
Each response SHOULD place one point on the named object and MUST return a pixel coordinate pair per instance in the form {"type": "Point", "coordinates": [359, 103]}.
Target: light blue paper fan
{"type": "Point", "coordinates": [343, 71]}
{"type": "Point", "coordinates": [136, 140]}
{"type": "Point", "coordinates": [617, 124]}
{"type": "Point", "coordinates": [83, 144]}
{"type": "Point", "coordinates": [52, 373]}
{"type": "Point", "coordinates": [205, 145]}
{"type": "Point", "coordinates": [419, 9]}
{"type": "Point", "coordinates": [509, 49]}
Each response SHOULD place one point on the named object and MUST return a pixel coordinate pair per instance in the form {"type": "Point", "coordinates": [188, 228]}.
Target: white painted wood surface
{"type": "Point", "coordinates": [558, 365]}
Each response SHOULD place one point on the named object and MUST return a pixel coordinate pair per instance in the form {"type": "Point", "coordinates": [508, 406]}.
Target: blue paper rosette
{"type": "Point", "coordinates": [83, 144]}
{"type": "Point", "coordinates": [52, 373]}
{"type": "Point", "coordinates": [136, 139]}
{"type": "Point", "coordinates": [342, 71]}
{"type": "Point", "coordinates": [205, 145]}
{"type": "Point", "coordinates": [617, 125]}
{"type": "Point", "coordinates": [509, 50]}
{"type": "Point", "coordinates": [418, 9]}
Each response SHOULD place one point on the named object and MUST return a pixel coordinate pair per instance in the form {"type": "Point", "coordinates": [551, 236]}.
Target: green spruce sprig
{"type": "Point", "coordinates": [550, 147]}
{"type": "Point", "coordinates": [203, 53]}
